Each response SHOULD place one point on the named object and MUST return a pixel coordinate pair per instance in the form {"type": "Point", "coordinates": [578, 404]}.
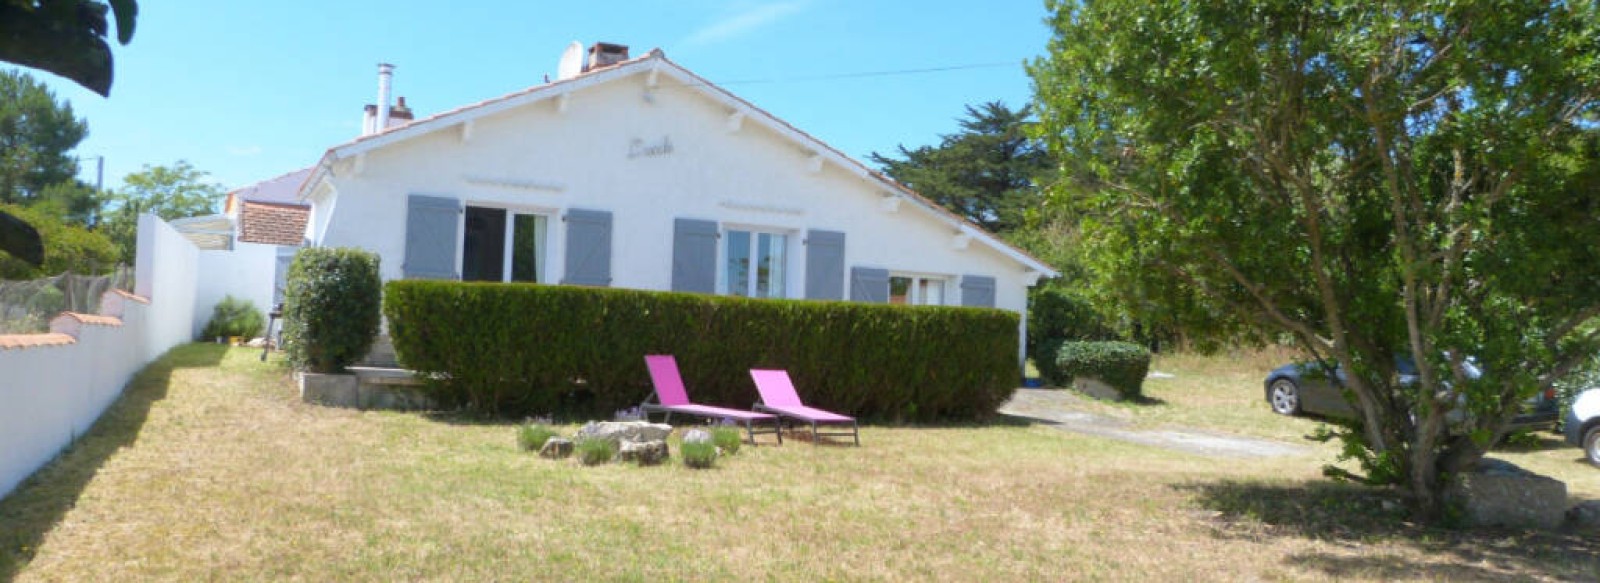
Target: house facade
{"type": "Point", "coordinates": [636, 173]}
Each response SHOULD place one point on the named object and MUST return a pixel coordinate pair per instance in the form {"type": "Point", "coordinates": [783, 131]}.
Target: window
{"type": "Point", "coordinates": [491, 253]}
{"type": "Point", "coordinates": [916, 290]}
{"type": "Point", "coordinates": [768, 253]}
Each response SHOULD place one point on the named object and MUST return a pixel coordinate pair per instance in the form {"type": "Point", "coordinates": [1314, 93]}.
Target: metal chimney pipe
{"type": "Point", "coordinates": [385, 77]}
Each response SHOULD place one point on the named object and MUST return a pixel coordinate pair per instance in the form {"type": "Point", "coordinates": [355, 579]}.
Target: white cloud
{"type": "Point", "coordinates": [250, 150]}
{"type": "Point", "coordinates": [742, 22]}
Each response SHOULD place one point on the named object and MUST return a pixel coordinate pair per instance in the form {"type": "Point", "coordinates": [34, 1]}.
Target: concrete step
{"type": "Point", "coordinates": [381, 355]}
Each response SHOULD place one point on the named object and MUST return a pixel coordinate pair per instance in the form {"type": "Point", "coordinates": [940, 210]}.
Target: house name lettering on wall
{"type": "Point", "coordinates": [638, 147]}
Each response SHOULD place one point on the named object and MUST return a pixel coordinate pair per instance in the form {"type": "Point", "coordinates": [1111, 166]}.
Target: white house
{"type": "Point", "coordinates": [637, 173]}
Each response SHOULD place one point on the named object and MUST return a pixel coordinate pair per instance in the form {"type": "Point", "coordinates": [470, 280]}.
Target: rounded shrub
{"type": "Point", "coordinates": [531, 437]}
{"type": "Point", "coordinates": [332, 306]}
{"type": "Point", "coordinates": [234, 317]}
{"type": "Point", "coordinates": [1121, 365]}
{"type": "Point", "coordinates": [1056, 315]}
{"type": "Point", "coordinates": [593, 452]}
{"type": "Point", "coordinates": [698, 455]}
{"type": "Point", "coordinates": [727, 438]}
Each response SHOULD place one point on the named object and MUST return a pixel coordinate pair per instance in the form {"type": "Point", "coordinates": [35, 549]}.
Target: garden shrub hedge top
{"type": "Point", "coordinates": [519, 349]}
{"type": "Point", "coordinates": [1122, 365]}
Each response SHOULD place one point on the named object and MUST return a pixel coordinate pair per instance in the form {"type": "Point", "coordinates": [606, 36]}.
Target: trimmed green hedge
{"type": "Point", "coordinates": [1056, 315]}
{"type": "Point", "coordinates": [519, 349]}
{"type": "Point", "coordinates": [331, 307]}
{"type": "Point", "coordinates": [1122, 365]}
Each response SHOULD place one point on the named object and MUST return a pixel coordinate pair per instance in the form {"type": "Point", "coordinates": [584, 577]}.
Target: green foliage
{"type": "Point", "coordinates": [1055, 314]}
{"type": "Point", "coordinates": [593, 451]}
{"type": "Point", "coordinates": [523, 348]}
{"type": "Point", "coordinates": [234, 317]}
{"type": "Point", "coordinates": [66, 37]}
{"type": "Point", "coordinates": [989, 172]}
{"type": "Point", "coordinates": [699, 456]}
{"type": "Point", "coordinates": [331, 307]}
{"type": "Point", "coordinates": [1122, 365]}
{"type": "Point", "coordinates": [727, 438]}
{"type": "Point", "coordinates": [67, 248]}
{"type": "Point", "coordinates": [170, 192]}
{"type": "Point", "coordinates": [531, 436]}
{"type": "Point", "coordinates": [1364, 178]}
{"type": "Point", "coordinates": [48, 301]}
{"type": "Point", "coordinates": [37, 135]}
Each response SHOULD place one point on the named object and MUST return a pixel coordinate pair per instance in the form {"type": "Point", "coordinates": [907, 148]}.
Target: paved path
{"type": "Point", "coordinates": [1060, 408]}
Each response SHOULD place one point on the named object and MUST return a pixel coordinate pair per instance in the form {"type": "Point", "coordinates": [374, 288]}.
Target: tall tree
{"type": "Point", "coordinates": [170, 192]}
{"type": "Point", "coordinates": [988, 172]}
{"type": "Point", "coordinates": [1370, 178]}
{"type": "Point", "coordinates": [37, 136]}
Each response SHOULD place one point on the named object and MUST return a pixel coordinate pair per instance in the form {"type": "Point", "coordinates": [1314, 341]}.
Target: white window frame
{"type": "Point", "coordinates": [914, 293]}
{"type": "Point", "coordinates": [547, 251]}
{"type": "Point", "coordinates": [790, 239]}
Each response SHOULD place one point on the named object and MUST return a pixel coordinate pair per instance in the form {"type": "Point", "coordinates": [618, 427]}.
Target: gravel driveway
{"type": "Point", "coordinates": [1058, 408]}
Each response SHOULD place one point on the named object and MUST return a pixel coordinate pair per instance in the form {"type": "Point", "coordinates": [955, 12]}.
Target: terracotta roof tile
{"type": "Point", "coordinates": [273, 223]}
{"type": "Point", "coordinates": [92, 319]}
{"type": "Point", "coordinates": [131, 296]}
{"type": "Point", "coordinates": [20, 341]}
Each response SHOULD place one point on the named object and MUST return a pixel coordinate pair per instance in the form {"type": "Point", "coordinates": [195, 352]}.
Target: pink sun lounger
{"type": "Point", "coordinates": [778, 396]}
{"type": "Point", "coordinates": [671, 398]}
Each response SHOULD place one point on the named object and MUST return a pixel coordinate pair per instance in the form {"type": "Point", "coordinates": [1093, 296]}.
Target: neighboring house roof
{"type": "Point", "coordinates": [209, 232]}
{"type": "Point", "coordinates": [273, 223]}
{"type": "Point", "coordinates": [655, 63]}
{"type": "Point", "coordinates": [281, 189]}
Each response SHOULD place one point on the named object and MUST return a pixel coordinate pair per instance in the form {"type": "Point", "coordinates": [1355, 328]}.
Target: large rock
{"type": "Point", "coordinates": [556, 448]}
{"type": "Point", "coordinates": [1498, 493]}
{"type": "Point", "coordinates": [619, 431]}
{"type": "Point", "coordinates": [1585, 515]}
{"type": "Point", "coordinates": [647, 453]}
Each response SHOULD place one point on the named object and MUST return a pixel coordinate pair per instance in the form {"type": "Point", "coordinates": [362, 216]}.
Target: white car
{"type": "Point", "coordinates": [1583, 424]}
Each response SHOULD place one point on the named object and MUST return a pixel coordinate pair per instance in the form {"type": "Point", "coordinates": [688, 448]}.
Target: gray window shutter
{"type": "Point", "coordinates": [868, 284]}
{"type": "Point", "coordinates": [431, 224]}
{"type": "Point", "coordinates": [825, 265]}
{"type": "Point", "coordinates": [694, 256]}
{"type": "Point", "coordinates": [977, 290]}
{"type": "Point", "coordinates": [588, 247]}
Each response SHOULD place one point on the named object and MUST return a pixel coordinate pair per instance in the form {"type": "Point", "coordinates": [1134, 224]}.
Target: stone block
{"type": "Point", "coordinates": [646, 453]}
{"type": "Point", "coordinates": [332, 390]}
{"type": "Point", "coordinates": [619, 431]}
{"type": "Point", "coordinates": [1498, 493]}
{"type": "Point", "coordinates": [556, 448]}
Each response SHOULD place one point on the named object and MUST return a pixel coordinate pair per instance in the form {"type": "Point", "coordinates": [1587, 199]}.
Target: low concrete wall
{"type": "Point", "coordinates": [54, 386]}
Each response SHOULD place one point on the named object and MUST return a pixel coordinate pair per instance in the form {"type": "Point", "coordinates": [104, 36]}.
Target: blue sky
{"type": "Point", "coordinates": [250, 90]}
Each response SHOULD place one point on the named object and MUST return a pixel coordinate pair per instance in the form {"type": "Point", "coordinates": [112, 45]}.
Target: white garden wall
{"type": "Point", "coordinates": [246, 273]}
{"type": "Point", "coordinates": [55, 386]}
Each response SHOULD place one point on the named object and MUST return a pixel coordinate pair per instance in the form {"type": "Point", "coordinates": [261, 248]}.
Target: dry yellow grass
{"type": "Point", "coordinates": [210, 469]}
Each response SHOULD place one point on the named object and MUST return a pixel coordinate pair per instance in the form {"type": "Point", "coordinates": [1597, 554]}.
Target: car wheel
{"type": "Point", "coordinates": [1284, 397]}
{"type": "Point", "coordinates": [1591, 445]}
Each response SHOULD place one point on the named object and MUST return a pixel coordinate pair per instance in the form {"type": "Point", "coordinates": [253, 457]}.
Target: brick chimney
{"type": "Point", "coordinates": [605, 55]}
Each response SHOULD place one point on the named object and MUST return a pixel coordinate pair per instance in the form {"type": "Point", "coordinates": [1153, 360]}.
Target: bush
{"type": "Point", "coordinates": [593, 452]}
{"type": "Point", "coordinates": [698, 455]}
{"type": "Point", "coordinates": [515, 349]}
{"type": "Point", "coordinates": [727, 438]}
{"type": "Point", "coordinates": [533, 435]}
{"type": "Point", "coordinates": [1056, 315]}
{"type": "Point", "coordinates": [331, 307]}
{"type": "Point", "coordinates": [67, 247]}
{"type": "Point", "coordinates": [234, 317]}
{"type": "Point", "coordinates": [1122, 365]}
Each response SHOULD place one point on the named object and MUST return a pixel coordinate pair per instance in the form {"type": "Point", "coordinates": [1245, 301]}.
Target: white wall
{"type": "Point", "coordinates": [246, 273]}
{"type": "Point", "coordinates": [50, 395]}
{"type": "Point", "coordinates": [542, 159]}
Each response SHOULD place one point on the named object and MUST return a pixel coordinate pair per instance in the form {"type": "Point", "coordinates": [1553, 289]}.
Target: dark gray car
{"type": "Point", "coordinates": [1311, 388]}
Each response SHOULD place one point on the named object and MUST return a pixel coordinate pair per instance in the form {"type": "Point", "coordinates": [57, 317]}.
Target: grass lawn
{"type": "Point", "coordinates": [210, 468]}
